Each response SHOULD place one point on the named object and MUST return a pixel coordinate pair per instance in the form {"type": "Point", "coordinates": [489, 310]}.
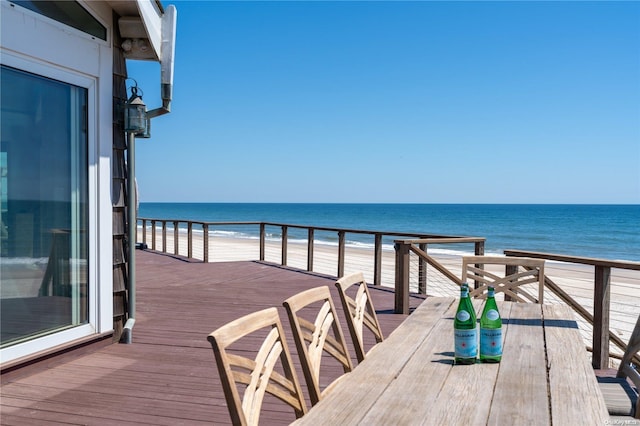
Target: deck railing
{"type": "Point", "coordinates": [403, 261]}
{"type": "Point", "coordinates": [598, 319]}
{"type": "Point", "coordinates": [286, 244]}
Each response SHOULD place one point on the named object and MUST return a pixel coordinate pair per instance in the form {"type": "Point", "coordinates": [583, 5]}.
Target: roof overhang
{"type": "Point", "coordinates": [141, 24]}
{"type": "Point", "coordinates": [148, 32]}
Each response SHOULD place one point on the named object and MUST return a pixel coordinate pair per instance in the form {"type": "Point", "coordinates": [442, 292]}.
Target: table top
{"type": "Point", "coordinates": [545, 376]}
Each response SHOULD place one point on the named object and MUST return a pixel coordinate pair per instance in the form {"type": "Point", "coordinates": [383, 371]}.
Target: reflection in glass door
{"type": "Point", "coordinates": [44, 209]}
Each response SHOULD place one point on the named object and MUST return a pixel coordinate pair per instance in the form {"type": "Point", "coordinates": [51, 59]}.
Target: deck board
{"type": "Point", "coordinates": [168, 376]}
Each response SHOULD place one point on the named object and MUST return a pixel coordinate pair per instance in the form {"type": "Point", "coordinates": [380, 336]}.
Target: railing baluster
{"type": "Point", "coordinates": [205, 242]}
{"type": "Point", "coordinates": [601, 305]}
{"type": "Point", "coordinates": [341, 239]}
{"type": "Point", "coordinates": [479, 251]}
{"type": "Point", "coordinates": [176, 238]}
{"type": "Point", "coordinates": [164, 236]}
{"type": "Point", "coordinates": [285, 230]}
{"type": "Point", "coordinates": [262, 240]}
{"type": "Point", "coordinates": [402, 278]}
{"type": "Point", "coordinates": [153, 235]}
{"type": "Point", "coordinates": [310, 238]}
{"type": "Point", "coordinates": [377, 260]}
{"type": "Point", "coordinates": [189, 240]}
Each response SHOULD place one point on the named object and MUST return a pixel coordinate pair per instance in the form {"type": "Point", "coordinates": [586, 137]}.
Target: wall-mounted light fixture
{"type": "Point", "coordinates": [136, 120]}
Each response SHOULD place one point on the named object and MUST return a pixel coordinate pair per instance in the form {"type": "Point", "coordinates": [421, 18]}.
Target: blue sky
{"type": "Point", "coordinates": [421, 102]}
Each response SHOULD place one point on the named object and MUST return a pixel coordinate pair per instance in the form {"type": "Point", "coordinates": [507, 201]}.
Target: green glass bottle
{"type": "Point", "coordinates": [490, 330]}
{"type": "Point", "coordinates": [465, 330]}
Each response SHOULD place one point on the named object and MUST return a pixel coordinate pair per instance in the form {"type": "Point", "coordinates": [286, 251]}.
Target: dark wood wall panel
{"type": "Point", "coordinates": [119, 185]}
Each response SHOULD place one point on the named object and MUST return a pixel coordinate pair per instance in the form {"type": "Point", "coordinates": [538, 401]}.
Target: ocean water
{"type": "Point", "coordinates": [602, 231]}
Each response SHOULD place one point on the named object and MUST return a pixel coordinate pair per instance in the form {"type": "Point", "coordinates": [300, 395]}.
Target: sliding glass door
{"type": "Point", "coordinates": [44, 206]}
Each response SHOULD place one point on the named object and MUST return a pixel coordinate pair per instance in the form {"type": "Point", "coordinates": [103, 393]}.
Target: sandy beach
{"type": "Point", "coordinates": [575, 279]}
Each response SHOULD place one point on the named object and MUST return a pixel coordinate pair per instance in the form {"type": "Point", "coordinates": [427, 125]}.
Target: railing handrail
{"type": "Point", "coordinates": [618, 264]}
{"type": "Point", "coordinates": [301, 226]}
{"type": "Point", "coordinates": [442, 240]}
{"type": "Point", "coordinates": [200, 222]}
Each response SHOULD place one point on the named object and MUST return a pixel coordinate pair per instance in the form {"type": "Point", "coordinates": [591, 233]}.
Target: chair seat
{"type": "Point", "coordinates": [619, 396]}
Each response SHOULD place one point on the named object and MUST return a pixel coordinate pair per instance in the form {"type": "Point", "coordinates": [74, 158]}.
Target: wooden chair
{"type": "Point", "coordinates": [256, 375]}
{"type": "Point", "coordinates": [519, 271]}
{"type": "Point", "coordinates": [359, 311]}
{"type": "Point", "coordinates": [316, 330]}
{"type": "Point", "coordinates": [621, 399]}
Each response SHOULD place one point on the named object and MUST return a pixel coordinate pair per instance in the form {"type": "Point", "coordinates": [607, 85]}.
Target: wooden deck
{"type": "Point", "coordinates": [168, 376]}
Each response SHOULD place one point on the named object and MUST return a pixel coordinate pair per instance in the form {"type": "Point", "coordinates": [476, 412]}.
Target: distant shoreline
{"type": "Point", "coordinates": [386, 204]}
{"type": "Point", "coordinates": [597, 231]}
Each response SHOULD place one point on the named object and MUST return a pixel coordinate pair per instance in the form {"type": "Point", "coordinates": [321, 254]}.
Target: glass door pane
{"type": "Point", "coordinates": [44, 209]}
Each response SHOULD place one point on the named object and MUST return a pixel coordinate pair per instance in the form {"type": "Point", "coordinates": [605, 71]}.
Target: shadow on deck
{"type": "Point", "coordinates": [168, 376]}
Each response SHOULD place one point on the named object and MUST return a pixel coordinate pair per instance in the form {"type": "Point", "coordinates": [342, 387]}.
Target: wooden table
{"type": "Point", "coordinates": [545, 376]}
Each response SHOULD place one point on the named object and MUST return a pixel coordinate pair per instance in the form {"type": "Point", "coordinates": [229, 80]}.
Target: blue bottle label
{"type": "Point", "coordinates": [491, 341]}
{"type": "Point", "coordinates": [466, 343]}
